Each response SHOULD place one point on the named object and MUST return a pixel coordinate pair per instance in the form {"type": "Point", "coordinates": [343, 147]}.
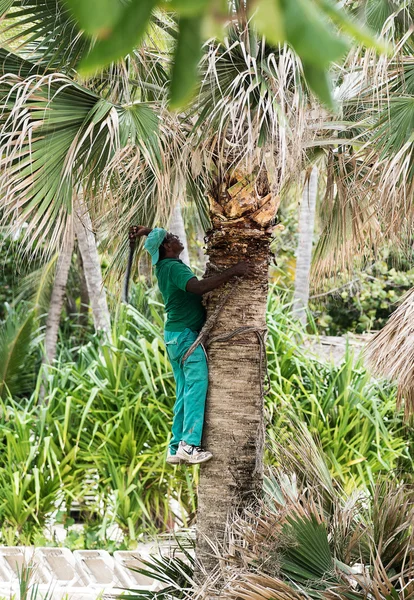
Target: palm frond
{"type": "Point", "coordinates": [175, 574]}
{"type": "Point", "coordinates": [36, 287]}
{"type": "Point", "coordinates": [44, 30]}
{"type": "Point", "coordinates": [263, 126]}
{"type": "Point", "coordinates": [136, 193]}
{"type": "Point", "coordinates": [370, 173]}
{"type": "Point", "coordinates": [56, 136]}
{"type": "Point", "coordinates": [390, 353]}
{"type": "Point", "coordinates": [380, 14]}
{"type": "Point", "coordinates": [15, 342]}
{"type": "Point", "coordinates": [12, 63]}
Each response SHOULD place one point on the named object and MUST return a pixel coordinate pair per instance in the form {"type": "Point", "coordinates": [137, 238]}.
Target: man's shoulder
{"type": "Point", "coordinates": [172, 268]}
{"type": "Point", "coordinates": [174, 264]}
{"type": "Point", "coordinates": [163, 265]}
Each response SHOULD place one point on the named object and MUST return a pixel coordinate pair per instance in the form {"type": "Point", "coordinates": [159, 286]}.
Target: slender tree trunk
{"type": "Point", "coordinates": [201, 256]}
{"type": "Point", "coordinates": [176, 226]}
{"type": "Point", "coordinates": [304, 249]}
{"type": "Point", "coordinates": [145, 267]}
{"type": "Point", "coordinates": [84, 296]}
{"type": "Point", "coordinates": [234, 427]}
{"type": "Point", "coordinates": [58, 295]}
{"type": "Point", "coordinates": [92, 268]}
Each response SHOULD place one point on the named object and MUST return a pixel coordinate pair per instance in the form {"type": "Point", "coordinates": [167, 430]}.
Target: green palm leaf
{"type": "Point", "coordinates": [15, 342]}
{"type": "Point", "coordinates": [394, 134]}
{"type": "Point", "coordinates": [56, 136]}
{"type": "Point", "coordinates": [309, 558]}
{"type": "Point", "coordinates": [46, 30]}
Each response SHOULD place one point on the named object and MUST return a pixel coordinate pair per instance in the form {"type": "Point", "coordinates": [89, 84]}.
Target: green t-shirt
{"type": "Point", "coordinates": [184, 309]}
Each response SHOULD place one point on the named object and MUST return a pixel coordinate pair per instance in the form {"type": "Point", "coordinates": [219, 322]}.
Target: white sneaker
{"type": "Point", "coordinates": [193, 454]}
{"type": "Point", "coordinates": [172, 459]}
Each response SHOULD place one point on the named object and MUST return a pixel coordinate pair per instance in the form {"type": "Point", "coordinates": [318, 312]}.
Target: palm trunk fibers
{"type": "Point", "coordinates": [234, 423]}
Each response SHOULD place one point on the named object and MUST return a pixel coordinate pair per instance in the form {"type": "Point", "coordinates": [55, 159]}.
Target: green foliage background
{"type": "Point", "coordinates": [358, 301]}
{"type": "Point", "coordinates": [93, 447]}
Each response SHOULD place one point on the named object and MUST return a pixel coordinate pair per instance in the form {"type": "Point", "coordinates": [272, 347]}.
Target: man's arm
{"type": "Point", "coordinates": [202, 286]}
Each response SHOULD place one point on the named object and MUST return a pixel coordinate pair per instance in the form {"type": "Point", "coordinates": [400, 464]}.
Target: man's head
{"type": "Point", "coordinates": [171, 247]}
{"type": "Point", "coordinates": [161, 244]}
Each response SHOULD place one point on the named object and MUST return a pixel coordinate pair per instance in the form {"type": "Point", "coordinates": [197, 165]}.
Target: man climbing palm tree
{"type": "Point", "coordinates": [182, 292]}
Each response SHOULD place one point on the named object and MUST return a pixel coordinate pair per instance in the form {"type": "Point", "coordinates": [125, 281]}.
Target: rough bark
{"type": "Point", "coordinates": [241, 210]}
{"type": "Point", "coordinates": [58, 296]}
{"type": "Point", "coordinates": [304, 249]}
{"type": "Point", "coordinates": [92, 268]}
{"type": "Point", "coordinates": [176, 226]}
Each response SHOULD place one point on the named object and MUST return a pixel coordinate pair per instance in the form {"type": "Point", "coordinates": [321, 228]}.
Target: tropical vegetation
{"type": "Point", "coordinates": [307, 538]}
{"type": "Point", "coordinates": [93, 449]}
{"type": "Point", "coordinates": [88, 151]}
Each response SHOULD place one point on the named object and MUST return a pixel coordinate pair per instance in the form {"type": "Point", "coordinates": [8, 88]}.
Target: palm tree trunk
{"type": "Point", "coordinates": [84, 296]}
{"type": "Point", "coordinates": [304, 249]}
{"type": "Point", "coordinates": [58, 295]}
{"type": "Point", "coordinates": [234, 427]}
{"type": "Point", "coordinates": [176, 226]}
{"type": "Point", "coordinates": [92, 268]}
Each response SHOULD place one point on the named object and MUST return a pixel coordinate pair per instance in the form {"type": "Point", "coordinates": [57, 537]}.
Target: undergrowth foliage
{"type": "Point", "coordinates": [94, 448]}
{"type": "Point", "coordinates": [352, 415]}
{"type": "Point", "coordinates": [309, 539]}
{"type": "Point", "coordinates": [306, 539]}
{"type": "Point", "coordinates": [98, 443]}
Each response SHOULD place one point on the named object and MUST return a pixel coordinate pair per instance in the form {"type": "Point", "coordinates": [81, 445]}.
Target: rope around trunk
{"type": "Point", "coordinates": [205, 340]}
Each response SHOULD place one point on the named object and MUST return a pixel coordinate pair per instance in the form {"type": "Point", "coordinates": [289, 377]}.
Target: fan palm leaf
{"type": "Point", "coordinates": [370, 172]}
{"type": "Point", "coordinates": [57, 135]}
{"type": "Point", "coordinates": [263, 126]}
{"type": "Point", "coordinates": [46, 31]}
{"type": "Point", "coordinates": [391, 351]}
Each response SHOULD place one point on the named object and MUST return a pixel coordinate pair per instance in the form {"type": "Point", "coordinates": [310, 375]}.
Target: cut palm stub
{"type": "Point", "coordinates": [193, 454]}
{"type": "Point", "coordinates": [391, 352]}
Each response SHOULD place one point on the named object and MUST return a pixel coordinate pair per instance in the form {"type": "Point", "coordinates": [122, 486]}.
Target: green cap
{"type": "Point", "coordinates": [153, 243]}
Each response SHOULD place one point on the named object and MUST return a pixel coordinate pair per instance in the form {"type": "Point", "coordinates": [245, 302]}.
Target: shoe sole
{"type": "Point", "coordinates": [195, 462]}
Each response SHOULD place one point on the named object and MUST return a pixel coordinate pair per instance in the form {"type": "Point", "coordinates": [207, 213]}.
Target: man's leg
{"type": "Point", "coordinates": [178, 418]}
{"type": "Point", "coordinates": [174, 353]}
{"type": "Point", "coordinates": [195, 393]}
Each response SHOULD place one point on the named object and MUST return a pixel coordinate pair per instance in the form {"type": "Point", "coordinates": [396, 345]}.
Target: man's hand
{"type": "Point", "coordinates": [137, 231]}
{"type": "Point", "coordinates": [243, 269]}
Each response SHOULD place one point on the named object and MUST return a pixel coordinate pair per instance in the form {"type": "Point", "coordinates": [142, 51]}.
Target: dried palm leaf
{"type": "Point", "coordinates": [390, 353]}
{"type": "Point", "coordinates": [369, 192]}
{"type": "Point", "coordinates": [251, 110]}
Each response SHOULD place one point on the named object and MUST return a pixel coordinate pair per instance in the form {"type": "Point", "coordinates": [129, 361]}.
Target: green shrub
{"type": "Point", "coordinates": [98, 440]}
{"type": "Point", "coordinates": [119, 398]}
{"type": "Point", "coordinates": [364, 305]}
{"type": "Point", "coordinates": [352, 415]}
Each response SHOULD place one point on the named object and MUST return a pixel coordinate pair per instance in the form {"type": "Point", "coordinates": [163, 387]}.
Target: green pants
{"type": "Point", "coordinates": [191, 378]}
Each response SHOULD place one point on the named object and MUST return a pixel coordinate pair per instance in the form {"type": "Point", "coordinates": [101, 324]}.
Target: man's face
{"type": "Point", "coordinates": [174, 243]}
